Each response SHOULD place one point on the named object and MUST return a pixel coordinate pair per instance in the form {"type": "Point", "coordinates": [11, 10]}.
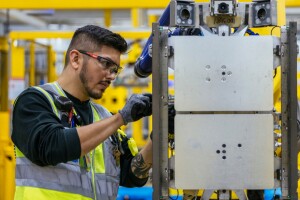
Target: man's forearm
{"type": "Point", "coordinates": [92, 135]}
{"type": "Point", "coordinates": [142, 162]}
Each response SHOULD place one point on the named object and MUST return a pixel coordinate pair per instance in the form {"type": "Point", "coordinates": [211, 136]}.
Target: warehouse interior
{"type": "Point", "coordinates": [34, 37]}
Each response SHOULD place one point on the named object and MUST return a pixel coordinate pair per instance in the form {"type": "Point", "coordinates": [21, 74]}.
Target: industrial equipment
{"type": "Point", "coordinates": [226, 127]}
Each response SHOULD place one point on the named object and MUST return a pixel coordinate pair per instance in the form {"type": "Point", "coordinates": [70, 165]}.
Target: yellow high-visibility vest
{"type": "Point", "coordinates": [69, 181]}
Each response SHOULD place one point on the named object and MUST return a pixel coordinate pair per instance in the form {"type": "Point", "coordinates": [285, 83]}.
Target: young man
{"type": "Point", "coordinates": [67, 147]}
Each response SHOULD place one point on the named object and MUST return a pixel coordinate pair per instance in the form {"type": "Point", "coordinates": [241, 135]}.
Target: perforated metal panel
{"type": "Point", "coordinates": [224, 151]}
{"type": "Point", "coordinates": [223, 73]}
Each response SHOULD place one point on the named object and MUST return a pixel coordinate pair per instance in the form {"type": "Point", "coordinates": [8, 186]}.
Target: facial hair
{"type": "Point", "coordinates": [84, 80]}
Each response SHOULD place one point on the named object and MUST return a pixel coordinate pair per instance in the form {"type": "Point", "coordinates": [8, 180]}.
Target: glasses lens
{"type": "Point", "coordinates": [108, 65]}
{"type": "Point", "coordinates": [115, 70]}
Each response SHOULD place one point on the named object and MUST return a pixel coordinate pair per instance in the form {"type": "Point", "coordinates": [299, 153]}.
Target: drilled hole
{"type": "Point", "coordinates": [114, 100]}
{"type": "Point", "coordinates": [9, 157]}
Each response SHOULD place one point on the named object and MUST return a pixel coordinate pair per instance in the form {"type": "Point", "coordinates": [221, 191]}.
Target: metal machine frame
{"type": "Point", "coordinates": [287, 174]}
{"type": "Point", "coordinates": [289, 169]}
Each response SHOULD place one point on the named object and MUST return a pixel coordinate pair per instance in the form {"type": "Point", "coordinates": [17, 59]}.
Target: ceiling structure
{"type": "Point", "coordinates": [69, 15]}
{"type": "Point", "coordinates": [118, 15]}
{"type": "Point", "coordinates": [56, 20]}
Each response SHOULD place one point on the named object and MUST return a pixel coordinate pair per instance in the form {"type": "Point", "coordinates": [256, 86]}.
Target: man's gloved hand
{"type": "Point", "coordinates": [171, 117]}
{"type": "Point", "coordinates": [138, 106]}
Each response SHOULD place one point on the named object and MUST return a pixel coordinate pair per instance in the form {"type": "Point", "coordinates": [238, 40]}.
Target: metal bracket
{"type": "Point", "coordinates": [169, 51]}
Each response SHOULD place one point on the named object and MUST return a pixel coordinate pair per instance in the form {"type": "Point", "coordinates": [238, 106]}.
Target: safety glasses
{"type": "Point", "coordinates": [106, 63]}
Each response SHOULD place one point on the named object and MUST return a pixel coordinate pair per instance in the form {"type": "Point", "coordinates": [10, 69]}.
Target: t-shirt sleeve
{"type": "Point", "coordinates": [127, 177]}
{"type": "Point", "coordinates": [38, 132]}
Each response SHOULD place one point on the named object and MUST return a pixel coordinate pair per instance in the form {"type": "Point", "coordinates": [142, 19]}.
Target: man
{"type": "Point", "coordinates": [67, 147]}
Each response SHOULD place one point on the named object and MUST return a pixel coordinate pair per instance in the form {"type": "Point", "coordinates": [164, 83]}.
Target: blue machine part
{"type": "Point", "coordinates": [143, 193]}
{"type": "Point", "coordinates": [271, 193]}
{"type": "Point", "coordinates": [143, 66]}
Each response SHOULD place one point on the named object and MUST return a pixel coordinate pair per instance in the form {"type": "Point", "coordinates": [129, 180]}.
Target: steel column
{"type": "Point", "coordinates": [160, 113]}
{"type": "Point", "coordinates": [292, 108]}
{"type": "Point", "coordinates": [4, 74]}
{"type": "Point", "coordinates": [107, 17]}
{"type": "Point", "coordinates": [289, 169]}
{"type": "Point", "coordinates": [32, 63]}
{"type": "Point", "coordinates": [51, 73]}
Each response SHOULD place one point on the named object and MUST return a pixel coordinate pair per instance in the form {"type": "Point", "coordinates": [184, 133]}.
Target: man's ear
{"type": "Point", "coordinates": [76, 59]}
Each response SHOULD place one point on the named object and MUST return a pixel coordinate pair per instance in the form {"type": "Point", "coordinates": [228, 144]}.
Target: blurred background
{"type": "Point", "coordinates": [34, 36]}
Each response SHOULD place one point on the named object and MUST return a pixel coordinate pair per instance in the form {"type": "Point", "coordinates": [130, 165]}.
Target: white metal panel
{"type": "Point", "coordinates": [223, 73]}
{"type": "Point", "coordinates": [202, 141]}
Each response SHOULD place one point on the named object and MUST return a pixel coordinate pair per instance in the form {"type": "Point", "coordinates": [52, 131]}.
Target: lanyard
{"type": "Point", "coordinates": [74, 121]}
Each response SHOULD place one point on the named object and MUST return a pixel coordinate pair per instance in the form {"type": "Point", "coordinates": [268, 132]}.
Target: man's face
{"type": "Point", "coordinates": [93, 75]}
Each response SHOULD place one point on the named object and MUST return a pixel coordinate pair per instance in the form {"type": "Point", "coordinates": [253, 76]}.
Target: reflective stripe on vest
{"type": "Point", "coordinates": [63, 177]}
{"type": "Point", "coordinates": [98, 156]}
{"type": "Point", "coordinates": [34, 193]}
{"type": "Point", "coordinates": [69, 178]}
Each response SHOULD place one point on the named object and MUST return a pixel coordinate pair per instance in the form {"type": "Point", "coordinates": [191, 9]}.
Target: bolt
{"type": "Point", "coordinates": [277, 135]}
{"type": "Point", "coordinates": [277, 127]}
{"type": "Point", "coordinates": [277, 144]}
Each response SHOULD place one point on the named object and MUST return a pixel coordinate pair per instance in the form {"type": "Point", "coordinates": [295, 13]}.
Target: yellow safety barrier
{"type": "Point", "coordinates": [7, 160]}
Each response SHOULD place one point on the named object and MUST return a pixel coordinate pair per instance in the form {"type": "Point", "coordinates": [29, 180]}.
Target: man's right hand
{"type": "Point", "coordinates": [138, 106]}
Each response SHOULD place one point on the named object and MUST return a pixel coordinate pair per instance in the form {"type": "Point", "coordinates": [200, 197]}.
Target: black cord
{"type": "Point", "coordinates": [275, 72]}
{"type": "Point", "coordinates": [176, 196]}
{"type": "Point", "coordinates": [274, 28]}
{"type": "Point", "coordinates": [274, 194]}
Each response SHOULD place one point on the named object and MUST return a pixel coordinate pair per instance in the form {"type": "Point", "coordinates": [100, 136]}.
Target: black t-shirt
{"type": "Point", "coordinates": [41, 137]}
{"type": "Point", "coordinates": [38, 132]}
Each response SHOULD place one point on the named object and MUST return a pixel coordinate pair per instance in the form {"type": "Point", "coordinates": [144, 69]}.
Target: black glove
{"type": "Point", "coordinates": [138, 106]}
{"type": "Point", "coordinates": [171, 117]}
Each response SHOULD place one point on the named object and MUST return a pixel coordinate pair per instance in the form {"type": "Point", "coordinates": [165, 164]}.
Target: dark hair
{"type": "Point", "coordinates": [92, 38]}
